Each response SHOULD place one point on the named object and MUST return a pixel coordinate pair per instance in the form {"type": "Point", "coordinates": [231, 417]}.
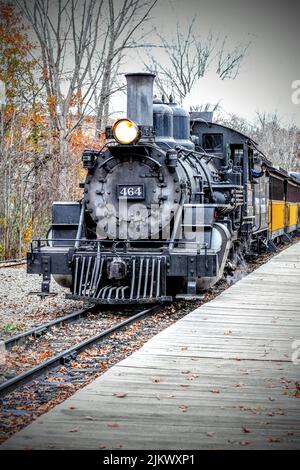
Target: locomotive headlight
{"type": "Point", "coordinates": [125, 131]}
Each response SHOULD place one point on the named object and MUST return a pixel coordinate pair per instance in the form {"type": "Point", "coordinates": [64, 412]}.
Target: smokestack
{"type": "Point", "coordinates": [140, 98]}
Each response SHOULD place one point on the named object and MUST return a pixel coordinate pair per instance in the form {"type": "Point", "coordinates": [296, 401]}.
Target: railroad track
{"type": "Point", "coordinates": [42, 329]}
{"type": "Point", "coordinates": [8, 263]}
{"type": "Point", "coordinates": [67, 355]}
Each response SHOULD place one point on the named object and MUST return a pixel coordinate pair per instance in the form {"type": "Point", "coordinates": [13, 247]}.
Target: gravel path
{"type": "Point", "coordinates": [19, 311]}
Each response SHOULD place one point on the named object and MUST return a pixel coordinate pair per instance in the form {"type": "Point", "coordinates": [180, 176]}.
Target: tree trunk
{"type": "Point", "coordinates": [64, 160]}
{"type": "Point", "coordinates": [103, 106]}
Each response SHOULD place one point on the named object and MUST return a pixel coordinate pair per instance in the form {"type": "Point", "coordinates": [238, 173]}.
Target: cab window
{"type": "Point", "coordinates": [213, 143]}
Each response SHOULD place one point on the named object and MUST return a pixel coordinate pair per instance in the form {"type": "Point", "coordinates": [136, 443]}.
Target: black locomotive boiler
{"type": "Point", "coordinates": [168, 203]}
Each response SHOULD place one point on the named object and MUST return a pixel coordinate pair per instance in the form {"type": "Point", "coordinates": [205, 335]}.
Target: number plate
{"type": "Point", "coordinates": [131, 191]}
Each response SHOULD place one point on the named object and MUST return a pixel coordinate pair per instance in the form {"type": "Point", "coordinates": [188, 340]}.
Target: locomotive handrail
{"type": "Point", "coordinates": [105, 242]}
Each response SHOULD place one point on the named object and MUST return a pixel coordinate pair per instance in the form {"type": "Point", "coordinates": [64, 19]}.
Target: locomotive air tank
{"type": "Point", "coordinates": [163, 124]}
{"type": "Point", "coordinates": [181, 126]}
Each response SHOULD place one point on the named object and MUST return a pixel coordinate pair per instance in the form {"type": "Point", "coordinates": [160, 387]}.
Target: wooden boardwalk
{"type": "Point", "coordinates": [221, 377]}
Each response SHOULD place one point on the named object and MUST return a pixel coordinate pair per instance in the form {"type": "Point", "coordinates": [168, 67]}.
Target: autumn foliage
{"type": "Point", "coordinates": [30, 160]}
{"type": "Point", "coordinates": [16, 63]}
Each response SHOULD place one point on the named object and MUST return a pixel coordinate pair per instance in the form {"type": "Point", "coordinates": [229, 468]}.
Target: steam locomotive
{"type": "Point", "coordinates": [170, 202]}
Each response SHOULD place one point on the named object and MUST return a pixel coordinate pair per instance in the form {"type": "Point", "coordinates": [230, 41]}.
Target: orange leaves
{"type": "Point", "coordinates": [45, 355]}
{"type": "Point", "coordinates": [83, 137]}
{"type": "Point", "coordinates": [76, 99]}
{"type": "Point", "coordinates": [51, 102]}
{"type": "Point", "coordinates": [27, 234]}
{"type": "Point", "coordinates": [44, 74]}
{"type": "Point", "coordinates": [38, 117]}
{"type": "Point", "coordinates": [15, 59]}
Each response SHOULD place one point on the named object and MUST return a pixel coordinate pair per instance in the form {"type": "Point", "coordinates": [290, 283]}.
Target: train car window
{"type": "Point", "coordinates": [213, 143]}
{"type": "Point", "coordinates": [293, 193]}
{"type": "Point", "coordinates": [277, 189]}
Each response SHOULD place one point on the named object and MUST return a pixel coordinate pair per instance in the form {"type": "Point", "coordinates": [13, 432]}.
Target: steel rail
{"type": "Point", "coordinates": [7, 263]}
{"type": "Point", "coordinates": [67, 355]}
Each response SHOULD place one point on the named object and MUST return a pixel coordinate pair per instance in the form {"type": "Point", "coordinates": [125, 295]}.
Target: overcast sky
{"type": "Point", "coordinates": [273, 60]}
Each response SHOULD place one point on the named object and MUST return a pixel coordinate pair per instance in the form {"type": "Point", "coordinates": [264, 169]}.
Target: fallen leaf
{"type": "Point", "coordinates": [113, 425]}
{"type": "Point", "coordinates": [183, 408]}
{"type": "Point", "coordinates": [155, 380]}
{"type": "Point", "coordinates": [45, 354]}
{"type": "Point", "coordinates": [192, 377]}
{"type": "Point", "coordinates": [210, 434]}
{"type": "Point", "coordinates": [215, 391]}
{"type": "Point", "coordinates": [185, 371]}
{"type": "Point", "coordinates": [45, 407]}
{"type": "Point", "coordinates": [273, 439]}
{"type": "Point", "coordinates": [74, 429]}
{"type": "Point", "coordinates": [120, 395]}
{"type": "Point", "coordinates": [246, 430]}
{"type": "Point", "coordinates": [244, 443]}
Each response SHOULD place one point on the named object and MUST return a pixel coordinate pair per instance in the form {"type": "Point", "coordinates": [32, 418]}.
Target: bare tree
{"type": "Point", "coordinates": [82, 44]}
{"type": "Point", "coordinates": [229, 61]}
{"type": "Point", "coordinates": [279, 142]}
{"type": "Point", "coordinates": [124, 22]}
{"type": "Point", "coordinates": [188, 58]}
{"type": "Point", "coordinates": [67, 32]}
{"type": "Point", "coordinates": [206, 107]}
{"type": "Point", "coordinates": [236, 122]}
